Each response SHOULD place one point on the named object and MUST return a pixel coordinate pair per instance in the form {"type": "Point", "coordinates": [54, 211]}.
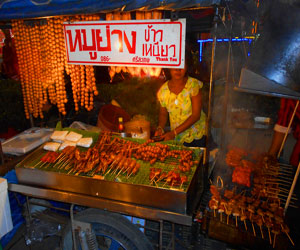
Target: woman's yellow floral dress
{"type": "Point", "coordinates": [180, 108]}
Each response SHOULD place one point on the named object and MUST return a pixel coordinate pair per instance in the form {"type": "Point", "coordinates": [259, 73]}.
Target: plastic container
{"type": "Point", "coordinates": [26, 141]}
{"type": "Point", "coordinates": [5, 214]}
{"type": "Point", "coordinates": [138, 129]}
{"type": "Point", "coordinates": [84, 126]}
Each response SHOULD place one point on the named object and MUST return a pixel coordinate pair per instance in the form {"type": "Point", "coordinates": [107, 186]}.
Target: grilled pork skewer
{"type": "Point", "coordinates": [275, 231]}
{"type": "Point", "coordinates": [243, 219]}
{"type": "Point", "coordinates": [269, 224]}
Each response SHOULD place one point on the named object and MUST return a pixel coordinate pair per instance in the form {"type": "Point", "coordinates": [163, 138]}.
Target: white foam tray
{"type": "Point", "coordinates": [26, 141]}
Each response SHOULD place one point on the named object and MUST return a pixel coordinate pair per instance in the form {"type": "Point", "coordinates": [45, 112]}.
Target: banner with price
{"type": "Point", "coordinates": [137, 43]}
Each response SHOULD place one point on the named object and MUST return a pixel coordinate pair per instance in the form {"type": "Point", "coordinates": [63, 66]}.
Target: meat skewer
{"type": "Point", "coordinates": [116, 161]}
{"type": "Point", "coordinates": [275, 231]}
{"type": "Point", "coordinates": [183, 179]}
{"type": "Point", "coordinates": [236, 213]}
{"type": "Point", "coordinates": [253, 228]}
{"type": "Point", "coordinates": [123, 164]}
{"type": "Point", "coordinates": [269, 224]}
{"type": "Point", "coordinates": [135, 169]}
{"type": "Point", "coordinates": [243, 218]}
{"type": "Point", "coordinates": [213, 204]}
{"type": "Point", "coordinates": [154, 173]}
{"type": "Point", "coordinates": [251, 210]}
{"type": "Point", "coordinates": [261, 213]}
{"type": "Point", "coordinates": [259, 222]}
{"type": "Point", "coordinates": [221, 209]}
{"type": "Point", "coordinates": [228, 211]}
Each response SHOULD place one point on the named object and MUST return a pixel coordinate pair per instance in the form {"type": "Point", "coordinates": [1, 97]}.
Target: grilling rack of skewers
{"type": "Point", "coordinates": [257, 197]}
{"type": "Point", "coordinates": [117, 159]}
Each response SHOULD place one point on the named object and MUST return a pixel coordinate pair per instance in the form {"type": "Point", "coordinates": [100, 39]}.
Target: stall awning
{"type": "Point", "coordinates": [20, 9]}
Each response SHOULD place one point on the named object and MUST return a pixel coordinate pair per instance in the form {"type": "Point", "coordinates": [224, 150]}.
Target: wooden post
{"type": "Point", "coordinates": [287, 132]}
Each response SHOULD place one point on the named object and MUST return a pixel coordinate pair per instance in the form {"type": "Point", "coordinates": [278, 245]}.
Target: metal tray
{"type": "Point", "coordinates": [126, 190]}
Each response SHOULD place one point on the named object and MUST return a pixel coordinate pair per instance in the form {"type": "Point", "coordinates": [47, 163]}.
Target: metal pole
{"type": "Point", "coordinates": [224, 115]}
{"type": "Point", "coordinates": [289, 126]}
{"type": "Point", "coordinates": [72, 227]}
{"type": "Point", "coordinates": [208, 120]}
{"type": "Point", "coordinates": [292, 188]}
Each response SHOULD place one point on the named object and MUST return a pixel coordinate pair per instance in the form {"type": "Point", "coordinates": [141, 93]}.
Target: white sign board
{"type": "Point", "coordinates": [136, 43]}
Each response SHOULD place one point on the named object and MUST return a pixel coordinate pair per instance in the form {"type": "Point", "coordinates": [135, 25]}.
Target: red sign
{"type": "Point", "coordinates": [137, 43]}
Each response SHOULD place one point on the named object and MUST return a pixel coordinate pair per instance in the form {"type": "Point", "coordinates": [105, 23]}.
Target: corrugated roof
{"type": "Point", "coordinates": [21, 9]}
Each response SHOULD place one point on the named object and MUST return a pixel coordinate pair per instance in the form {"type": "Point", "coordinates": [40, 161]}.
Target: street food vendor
{"type": "Point", "coordinates": [285, 112]}
{"type": "Point", "coordinates": [180, 99]}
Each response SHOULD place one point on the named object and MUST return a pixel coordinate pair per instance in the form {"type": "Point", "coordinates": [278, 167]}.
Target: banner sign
{"type": "Point", "coordinates": [136, 43]}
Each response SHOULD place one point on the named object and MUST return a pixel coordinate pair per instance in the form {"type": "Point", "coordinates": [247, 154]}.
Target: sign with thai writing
{"type": "Point", "coordinates": [136, 43]}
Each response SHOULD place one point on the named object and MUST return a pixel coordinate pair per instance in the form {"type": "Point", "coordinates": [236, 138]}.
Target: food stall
{"type": "Point", "coordinates": [142, 178]}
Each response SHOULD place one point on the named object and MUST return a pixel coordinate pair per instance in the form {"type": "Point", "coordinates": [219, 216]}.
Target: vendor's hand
{"type": "Point", "coordinates": [159, 132]}
{"type": "Point", "coordinates": [169, 136]}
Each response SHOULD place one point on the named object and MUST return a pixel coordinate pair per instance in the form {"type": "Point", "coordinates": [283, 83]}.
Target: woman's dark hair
{"type": "Point", "coordinates": [188, 61]}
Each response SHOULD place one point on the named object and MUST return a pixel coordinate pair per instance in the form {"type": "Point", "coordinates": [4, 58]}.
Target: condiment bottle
{"type": "Point", "coordinates": [121, 125]}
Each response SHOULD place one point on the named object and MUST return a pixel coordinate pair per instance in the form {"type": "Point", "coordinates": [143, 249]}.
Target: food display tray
{"type": "Point", "coordinates": [135, 189]}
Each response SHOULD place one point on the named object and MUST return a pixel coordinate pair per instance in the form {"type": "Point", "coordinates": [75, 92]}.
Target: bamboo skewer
{"type": "Point", "coordinates": [290, 239]}
{"type": "Point", "coordinates": [253, 229]}
{"type": "Point", "coordinates": [129, 175]}
{"type": "Point", "coordinates": [261, 231]}
{"type": "Point", "coordinates": [285, 230]}
{"type": "Point", "coordinates": [274, 241]}
{"type": "Point", "coordinates": [41, 166]}
{"type": "Point", "coordinates": [111, 166]}
{"type": "Point", "coordinates": [270, 237]}
{"type": "Point", "coordinates": [119, 172]}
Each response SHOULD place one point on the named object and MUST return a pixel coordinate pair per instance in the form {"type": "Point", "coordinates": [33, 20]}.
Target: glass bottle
{"type": "Point", "coordinates": [121, 125]}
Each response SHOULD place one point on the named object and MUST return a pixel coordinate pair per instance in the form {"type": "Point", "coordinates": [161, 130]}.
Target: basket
{"type": "Point", "coordinates": [109, 115]}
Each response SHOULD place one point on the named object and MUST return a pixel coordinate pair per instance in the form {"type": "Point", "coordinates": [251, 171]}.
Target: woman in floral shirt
{"type": "Point", "coordinates": [180, 98]}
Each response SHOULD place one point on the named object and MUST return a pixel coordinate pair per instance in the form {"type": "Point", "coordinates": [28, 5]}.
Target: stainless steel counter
{"type": "Point", "coordinates": [101, 203]}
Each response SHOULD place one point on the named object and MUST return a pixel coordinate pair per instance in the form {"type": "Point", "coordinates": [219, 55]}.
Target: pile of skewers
{"type": "Point", "coordinates": [258, 205]}
{"type": "Point", "coordinates": [171, 178]}
{"type": "Point", "coordinates": [160, 152]}
{"type": "Point", "coordinates": [267, 214]}
{"type": "Point", "coordinates": [116, 156]}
